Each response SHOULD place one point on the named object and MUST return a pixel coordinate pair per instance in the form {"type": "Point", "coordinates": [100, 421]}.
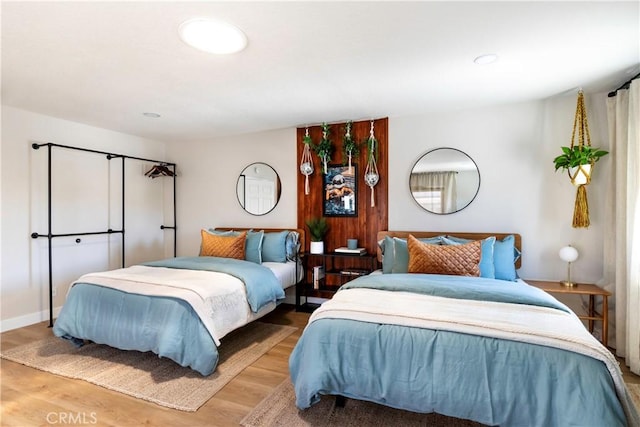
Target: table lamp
{"type": "Point", "coordinates": [568, 254]}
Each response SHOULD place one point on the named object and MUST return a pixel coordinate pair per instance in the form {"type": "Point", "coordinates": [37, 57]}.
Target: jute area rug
{"type": "Point", "coordinates": [278, 409]}
{"type": "Point", "coordinates": [634, 391]}
{"type": "Point", "coordinates": [145, 375]}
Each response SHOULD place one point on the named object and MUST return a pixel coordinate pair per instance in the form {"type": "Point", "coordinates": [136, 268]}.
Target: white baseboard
{"type": "Point", "coordinates": [27, 319]}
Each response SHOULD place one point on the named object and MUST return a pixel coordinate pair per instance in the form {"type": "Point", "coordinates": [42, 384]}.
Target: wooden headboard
{"type": "Point", "coordinates": [300, 231]}
{"type": "Point", "coordinates": [471, 236]}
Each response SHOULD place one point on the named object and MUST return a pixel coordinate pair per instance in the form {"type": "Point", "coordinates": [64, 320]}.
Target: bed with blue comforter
{"type": "Point", "coordinates": [178, 308]}
{"type": "Point", "coordinates": [492, 351]}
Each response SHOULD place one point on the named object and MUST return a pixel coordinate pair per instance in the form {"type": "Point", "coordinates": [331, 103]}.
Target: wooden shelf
{"type": "Point", "coordinates": [588, 289]}
{"type": "Point", "coordinates": [339, 268]}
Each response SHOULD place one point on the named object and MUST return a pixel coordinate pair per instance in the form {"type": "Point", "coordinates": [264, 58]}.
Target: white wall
{"type": "Point", "coordinates": [514, 147]}
{"type": "Point", "coordinates": [86, 194]}
{"type": "Point", "coordinates": [208, 173]}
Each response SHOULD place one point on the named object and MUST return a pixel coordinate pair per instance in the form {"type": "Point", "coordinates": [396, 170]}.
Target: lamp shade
{"type": "Point", "coordinates": [568, 254]}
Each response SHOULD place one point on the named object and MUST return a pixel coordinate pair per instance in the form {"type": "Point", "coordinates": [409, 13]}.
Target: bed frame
{"type": "Point", "coordinates": [465, 235]}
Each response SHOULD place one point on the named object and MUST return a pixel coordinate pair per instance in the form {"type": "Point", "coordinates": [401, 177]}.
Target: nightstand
{"type": "Point", "coordinates": [592, 291]}
{"type": "Point", "coordinates": [338, 268]}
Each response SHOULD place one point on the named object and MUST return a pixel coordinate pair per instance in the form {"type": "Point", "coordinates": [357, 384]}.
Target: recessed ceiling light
{"type": "Point", "coordinates": [152, 115]}
{"type": "Point", "coordinates": [213, 36]}
{"type": "Point", "coordinates": [486, 59]}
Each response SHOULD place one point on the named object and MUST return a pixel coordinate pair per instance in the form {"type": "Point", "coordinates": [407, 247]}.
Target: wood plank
{"type": "Point", "coordinates": [370, 219]}
{"type": "Point", "coordinates": [30, 395]}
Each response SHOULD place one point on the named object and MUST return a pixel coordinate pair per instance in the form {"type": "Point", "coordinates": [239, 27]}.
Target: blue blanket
{"type": "Point", "coordinates": [262, 285]}
{"type": "Point", "coordinates": [460, 287]}
{"type": "Point", "coordinates": [487, 380]}
{"type": "Point", "coordinates": [484, 379]}
{"type": "Point", "coordinates": [169, 327]}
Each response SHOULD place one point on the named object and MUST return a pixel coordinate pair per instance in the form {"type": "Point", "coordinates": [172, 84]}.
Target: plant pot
{"type": "Point", "coordinates": [317, 248]}
{"type": "Point", "coordinates": [580, 175]}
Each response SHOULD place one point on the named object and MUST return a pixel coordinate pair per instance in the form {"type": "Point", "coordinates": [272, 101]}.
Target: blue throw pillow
{"type": "Point", "coordinates": [292, 245]}
{"type": "Point", "coordinates": [400, 256]}
{"type": "Point", "coordinates": [487, 267]}
{"type": "Point", "coordinates": [253, 247]}
{"type": "Point", "coordinates": [505, 255]}
{"type": "Point", "coordinates": [274, 247]}
{"type": "Point", "coordinates": [386, 246]}
{"type": "Point", "coordinates": [222, 233]}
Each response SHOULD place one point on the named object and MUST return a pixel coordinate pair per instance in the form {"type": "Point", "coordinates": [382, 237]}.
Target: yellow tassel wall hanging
{"type": "Point", "coordinates": [579, 159]}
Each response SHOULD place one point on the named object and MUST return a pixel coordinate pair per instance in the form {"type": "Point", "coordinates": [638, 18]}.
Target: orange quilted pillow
{"type": "Point", "coordinates": [223, 246]}
{"type": "Point", "coordinates": [458, 260]}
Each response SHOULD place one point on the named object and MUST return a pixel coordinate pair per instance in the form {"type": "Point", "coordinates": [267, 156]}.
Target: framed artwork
{"type": "Point", "coordinates": [340, 191]}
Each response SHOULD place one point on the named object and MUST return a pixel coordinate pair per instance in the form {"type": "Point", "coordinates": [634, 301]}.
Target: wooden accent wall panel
{"type": "Point", "coordinates": [370, 220]}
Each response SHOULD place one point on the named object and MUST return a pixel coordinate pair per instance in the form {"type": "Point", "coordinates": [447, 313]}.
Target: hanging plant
{"type": "Point", "coordinates": [579, 160]}
{"type": "Point", "coordinates": [306, 163]}
{"type": "Point", "coordinates": [324, 148]}
{"type": "Point", "coordinates": [371, 175]}
{"type": "Point", "coordinates": [350, 147]}
{"type": "Point", "coordinates": [573, 157]}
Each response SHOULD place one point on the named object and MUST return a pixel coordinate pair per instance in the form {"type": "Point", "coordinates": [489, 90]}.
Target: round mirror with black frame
{"type": "Point", "coordinates": [258, 189]}
{"type": "Point", "coordinates": [444, 181]}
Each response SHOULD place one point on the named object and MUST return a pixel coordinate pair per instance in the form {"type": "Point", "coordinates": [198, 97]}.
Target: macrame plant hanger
{"type": "Point", "coordinates": [324, 148]}
{"type": "Point", "coordinates": [349, 145]}
{"type": "Point", "coordinates": [581, 175]}
{"type": "Point", "coordinates": [306, 163]}
{"type": "Point", "coordinates": [371, 175]}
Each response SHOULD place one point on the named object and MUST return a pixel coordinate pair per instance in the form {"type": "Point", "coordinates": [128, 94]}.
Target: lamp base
{"type": "Point", "coordinates": [568, 284]}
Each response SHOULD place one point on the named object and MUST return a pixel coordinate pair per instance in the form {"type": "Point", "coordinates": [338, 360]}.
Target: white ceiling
{"type": "Point", "coordinates": [105, 63]}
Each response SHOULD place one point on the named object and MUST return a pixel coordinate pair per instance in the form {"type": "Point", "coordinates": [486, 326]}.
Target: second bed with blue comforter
{"type": "Point", "coordinates": [495, 352]}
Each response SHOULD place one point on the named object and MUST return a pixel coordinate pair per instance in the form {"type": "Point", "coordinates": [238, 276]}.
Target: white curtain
{"type": "Point", "coordinates": [622, 223]}
{"type": "Point", "coordinates": [442, 182]}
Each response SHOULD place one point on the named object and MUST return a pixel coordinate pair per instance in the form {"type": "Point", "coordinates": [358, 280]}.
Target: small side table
{"type": "Point", "coordinates": [582, 289]}
{"type": "Point", "coordinates": [338, 269]}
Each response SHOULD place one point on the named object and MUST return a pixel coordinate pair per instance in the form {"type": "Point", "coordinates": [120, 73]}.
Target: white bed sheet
{"type": "Point", "coordinates": [285, 272]}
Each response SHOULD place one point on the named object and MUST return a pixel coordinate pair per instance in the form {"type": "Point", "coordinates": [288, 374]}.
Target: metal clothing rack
{"type": "Point", "coordinates": [51, 236]}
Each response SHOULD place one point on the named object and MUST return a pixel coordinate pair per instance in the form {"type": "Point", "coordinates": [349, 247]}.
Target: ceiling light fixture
{"type": "Point", "coordinates": [486, 59]}
{"type": "Point", "coordinates": [213, 36]}
{"type": "Point", "coordinates": [152, 115]}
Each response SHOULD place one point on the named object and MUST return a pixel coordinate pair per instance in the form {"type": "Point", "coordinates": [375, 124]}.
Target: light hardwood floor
{"type": "Point", "coordinates": [30, 396]}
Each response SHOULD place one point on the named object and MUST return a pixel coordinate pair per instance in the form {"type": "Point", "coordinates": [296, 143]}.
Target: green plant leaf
{"type": "Point", "coordinates": [576, 156]}
{"type": "Point", "coordinates": [318, 228]}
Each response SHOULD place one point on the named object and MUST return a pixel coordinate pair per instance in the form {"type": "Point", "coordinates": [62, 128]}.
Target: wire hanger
{"type": "Point", "coordinates": [159, 170]}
